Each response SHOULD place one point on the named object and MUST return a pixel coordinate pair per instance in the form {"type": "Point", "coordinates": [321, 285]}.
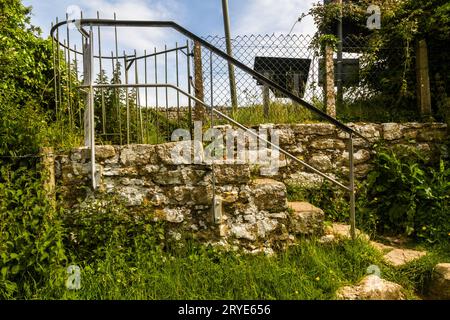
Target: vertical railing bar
{"type": "Point", "coordinates": [147, 122]}
{"type": "Point", "coordinates": [102, 93]}
{"type": "Point", "coordinates": [136, 111]}
{"type": "Point", "coordinates": [67, 85]}
{"type": "Point", "coordinates": [167, 91]}
{"type": "Point", "coordinates": [138, 98]}
{"type": "Point", "coordinates": [117, 79]}
{"type": "Point", "coordinates": [178, 84]}
{"type": "Point", "coordinates": [352, 189]}
{"type": "Point", "coordinates": [69, 77]}
{"type": "Point", "coordinates": [157, 98]}
{"type": "Point", "coordinates": [115, 96]}
{"type": "Point", "coordinates": [91, 106]}
{"type": "Point", "coordinates": [125, 57]}
{"type": "Point", "coordinates": [188, 61]}
{"type": "Point", "coordinates": [78, 92]}
{"type": "Point", "coordinates": [85, 102]}
{"type": "Point", "coordinates": [55, 79]}
{"type": "Point", "coordinates": [58, 56]}
{"type": "Point", "coordinates": [84, 42]}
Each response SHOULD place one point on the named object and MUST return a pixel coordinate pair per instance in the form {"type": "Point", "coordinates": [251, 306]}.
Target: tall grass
{"type": "Point", "coordinates": [279, 113]}
{"type": "Point", "coordinates": [307, 271]}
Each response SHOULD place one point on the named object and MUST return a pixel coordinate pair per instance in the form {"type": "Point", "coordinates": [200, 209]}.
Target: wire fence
{"type": "Point", "coordinates": [295, 63]}
{"type": "Point", "coordinates": [134, 103]}
{"type": "Point", "coordinates": [290, 60]}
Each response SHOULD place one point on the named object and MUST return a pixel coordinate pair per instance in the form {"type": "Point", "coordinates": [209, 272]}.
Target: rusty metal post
{"type": "Point", "coordinates": [330, 95]}
{"type": "Point", "coordinates": [423, 80]}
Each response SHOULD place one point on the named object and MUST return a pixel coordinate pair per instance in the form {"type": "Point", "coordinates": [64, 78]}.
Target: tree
{"type": "Point", "coordinates": [26, 71]}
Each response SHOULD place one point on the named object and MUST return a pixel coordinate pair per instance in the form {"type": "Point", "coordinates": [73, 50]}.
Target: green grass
{"type": "Point", "coordinates": [279, 113]}
{"type": "Point", "coordinates": [308, 271]}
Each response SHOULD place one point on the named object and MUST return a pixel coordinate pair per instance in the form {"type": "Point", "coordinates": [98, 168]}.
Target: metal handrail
{"type": "Point", "coordinates": [261, 78]}
{"type": "Point", "coordinates": [224, 116]}
{"type": "Point", "coordinates": [220, 53]}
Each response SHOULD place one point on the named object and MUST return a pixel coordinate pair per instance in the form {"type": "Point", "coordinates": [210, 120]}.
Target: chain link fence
{"type": "Point", "coordinates": [287, 59]}
{"type": "Point", "coordinates": [295, 63]}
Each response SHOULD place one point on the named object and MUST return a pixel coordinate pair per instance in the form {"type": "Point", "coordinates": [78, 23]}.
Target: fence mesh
{"type": "Point", "coordinates": [295, 63]}
{"type": "Point", "coordinates": [288, 59]}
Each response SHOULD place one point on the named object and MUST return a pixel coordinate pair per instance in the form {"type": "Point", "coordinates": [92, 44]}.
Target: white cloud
{"type": "Point", "coordinates": [134, 38]}
{"type": "Point", "coordinates": [272, 16]}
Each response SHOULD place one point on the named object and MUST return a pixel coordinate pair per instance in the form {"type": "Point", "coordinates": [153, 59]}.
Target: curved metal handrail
{"type": "Point", "coordinates": [171, 86]}
{"type": "Point", "coordinates": [204, 43]}
{"type": "Point", "coordinates": [261, 78]}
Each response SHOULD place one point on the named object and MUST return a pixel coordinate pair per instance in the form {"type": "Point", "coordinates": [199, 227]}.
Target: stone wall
{"type": "Point", "coordinates": [326, 148]}
{"type": "Point", "coordinates": [250, 212]}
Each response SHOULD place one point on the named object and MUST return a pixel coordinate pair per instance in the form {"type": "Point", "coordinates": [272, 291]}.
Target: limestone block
{"type": "Point", "coordinates": [269, 195]}
{"type": "Point", "coordinates": [372, 288]}
{"type": "Point", "coordinates": [306, 219]}
{"type": "Point", "coordinates": [440, 282]}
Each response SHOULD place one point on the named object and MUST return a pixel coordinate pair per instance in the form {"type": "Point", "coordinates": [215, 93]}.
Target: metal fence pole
{"type": "Point", "coordinates": [188, 68]}
{"type": "Point", "coordinates": [340, 92]}
{"type": "Point", "coordinates": [101, 77]}
{"type": "Point", "coordinates": [352, 188]}
{"type": "Point", "coordinates": [89, 124]}
{"type": "Point", "coordinates": [127, 103]}
{"type": "Point", "coordinates": [226, 22]}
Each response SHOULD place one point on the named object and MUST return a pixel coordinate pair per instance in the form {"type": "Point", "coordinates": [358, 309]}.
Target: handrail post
{"type": "Point", "coordinates": [89, 121]}
{"type": "Point", "coordinates": [352, 188]}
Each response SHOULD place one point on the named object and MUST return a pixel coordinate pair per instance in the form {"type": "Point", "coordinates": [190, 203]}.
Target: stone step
{"type": "Point", "coordinates": [340, 231]}
{"type": "Point", "coordinates": [439, 287]}
{"type": "Point", "coordinates": [306, 219]}
{"type": "Point", "coordinates": [372, 287]}
{"type": "Point", "coordinates": [269, 195]}
{"type": "Point", "coordinates": [397, 257]}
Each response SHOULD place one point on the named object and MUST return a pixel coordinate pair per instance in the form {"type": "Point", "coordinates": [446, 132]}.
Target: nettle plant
{"type": "Point", "coordinates": [410, 196]}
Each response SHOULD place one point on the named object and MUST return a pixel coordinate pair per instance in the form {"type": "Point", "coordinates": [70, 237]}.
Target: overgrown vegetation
{"type": "Point", "coordinates": [127, 255]}
{"type": "Point", "coordinates": [308, 271]}
{"type": "Point", "coordinates": [420, 204]}
{"type": "Point", "coordinates": [403, 194]}
{"type": "Point", "coordinates": [388, 58]}
{"type": "Point", "coordinates": [31, 234]}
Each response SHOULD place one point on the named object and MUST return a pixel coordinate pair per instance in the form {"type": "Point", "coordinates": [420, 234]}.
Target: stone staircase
{"type": "Point", "coordinates": [248, 212]}
{"type": "Point", "coordinates": [267, 220]}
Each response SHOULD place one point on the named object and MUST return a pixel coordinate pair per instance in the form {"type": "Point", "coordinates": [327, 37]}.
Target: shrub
{"type": "Point", "coordinates": [30, 233]}
{"type": "Point", "coordinates": [105, 224]}
{"type": "Point", "coordinates": [408, 196]}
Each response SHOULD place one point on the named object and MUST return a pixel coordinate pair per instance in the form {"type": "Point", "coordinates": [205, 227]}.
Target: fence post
{"type": "Point", "coordinates": [266, 98]}
{"type": "Point", "coordinates": [48, 170]}
{"type": "Point", "coordinates": [339, 66]}
{"type": "Point", "coordinates": [423, 80]}
{"type": "Point", "coordinates": [231, 75]}
{"type": "Point", "coordinates": [330, 95]}
{"type": "Point", "coordinates": [89, 120]}
{"type": "Point", "coordinates": [199, 109]}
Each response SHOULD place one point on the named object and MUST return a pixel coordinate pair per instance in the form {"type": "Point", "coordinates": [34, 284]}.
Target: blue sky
{"type": "Point", "coordinates": [203, 17]}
